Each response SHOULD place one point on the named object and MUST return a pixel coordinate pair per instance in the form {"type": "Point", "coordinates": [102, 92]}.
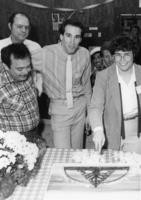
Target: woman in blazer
{"type": "Point", "coordinates": [114, 112]}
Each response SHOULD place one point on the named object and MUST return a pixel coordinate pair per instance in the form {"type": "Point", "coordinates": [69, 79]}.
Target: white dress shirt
{"type": "Point", "coordinates": [129, 96]}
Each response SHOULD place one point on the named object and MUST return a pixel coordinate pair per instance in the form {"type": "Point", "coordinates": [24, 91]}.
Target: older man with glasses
{"type": "Point", "coordinates": [19, 26]}
{"type": "Point", "coordinates": [116, 102]}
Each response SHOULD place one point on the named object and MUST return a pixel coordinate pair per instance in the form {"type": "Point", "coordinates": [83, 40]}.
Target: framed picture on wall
{"type": "Point", "coordinates": [127, 21]}
{"type": "Point", "coordinates": [55, 21]}
{"type": "Point", "coordinates": [139, 3]}
{"type": "Point", "coordinates": [55, 17]}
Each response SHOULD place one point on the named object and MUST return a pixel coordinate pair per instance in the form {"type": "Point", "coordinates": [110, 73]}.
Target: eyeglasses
{"type": "Point", "coordinates": [123, 56]}
{"type": "Point", "coordinates": [19, 26]}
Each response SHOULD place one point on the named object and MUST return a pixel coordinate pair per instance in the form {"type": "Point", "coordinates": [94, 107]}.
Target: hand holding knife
{"type": "Point", "coordinates": [99, 140]}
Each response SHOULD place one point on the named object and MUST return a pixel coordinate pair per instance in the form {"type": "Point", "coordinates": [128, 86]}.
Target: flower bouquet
{"type": "Point", "coordinates": [20, 159]}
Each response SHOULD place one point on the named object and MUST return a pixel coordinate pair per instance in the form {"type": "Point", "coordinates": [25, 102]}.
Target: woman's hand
{"type": "Point", "coordinates": [99, 140]}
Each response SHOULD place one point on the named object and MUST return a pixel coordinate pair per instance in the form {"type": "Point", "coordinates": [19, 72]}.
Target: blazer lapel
{"type": "Point", "coordinates": [114, 86]}
{"type": "Point", "coordinates": [138, 78]}
{"type": "Point", "coordinates": [138, 74]}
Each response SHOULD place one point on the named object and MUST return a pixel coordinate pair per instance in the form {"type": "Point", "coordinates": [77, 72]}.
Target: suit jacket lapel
{"type": "Point", "coordinates": [114, 86]}
{"type": "Point", "coordinates": [138, 74]}
{"type": "Point", "coordinates": [138, 78]}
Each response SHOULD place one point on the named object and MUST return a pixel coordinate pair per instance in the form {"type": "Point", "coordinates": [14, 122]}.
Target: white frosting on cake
{"type": "Point", "coordinates": [108, 158]}
{"type": "Point", "coordinates": [88, 157]}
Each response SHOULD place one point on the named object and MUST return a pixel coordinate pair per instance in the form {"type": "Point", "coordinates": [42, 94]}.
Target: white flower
{"type": "Point", "coordinates": [18, 144]}
{"type": "Point", "coordinates": [4, 162]}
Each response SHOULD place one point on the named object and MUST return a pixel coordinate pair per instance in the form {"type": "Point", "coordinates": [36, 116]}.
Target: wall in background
{"type": "Point", "coordinates": [104, 20]}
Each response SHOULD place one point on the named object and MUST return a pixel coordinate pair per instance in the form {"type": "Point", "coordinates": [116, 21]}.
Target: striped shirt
{"type": "Point", "coordinates": [18, 103]}
{"type": "Point", "coordinates": [54, 72]}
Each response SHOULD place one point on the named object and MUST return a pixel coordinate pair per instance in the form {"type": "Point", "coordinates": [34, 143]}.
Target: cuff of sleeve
{"type": "Point", "coordinates": [98, 128]}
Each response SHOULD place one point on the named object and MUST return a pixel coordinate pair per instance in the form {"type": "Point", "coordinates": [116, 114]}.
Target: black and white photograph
{"type": "Point", "coordinates": [70, 99]}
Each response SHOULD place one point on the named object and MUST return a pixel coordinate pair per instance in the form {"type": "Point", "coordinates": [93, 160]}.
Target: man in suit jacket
{"type": "Point", "coordinates": [114, 112]}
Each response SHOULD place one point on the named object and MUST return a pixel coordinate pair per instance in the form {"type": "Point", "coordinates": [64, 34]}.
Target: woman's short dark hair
{"type": "Point", "coordinates": [72, 23]}
{"type": "Point", "coordinates": [122, 43]}
{"type": "Point", "coordinates": [18, 50]}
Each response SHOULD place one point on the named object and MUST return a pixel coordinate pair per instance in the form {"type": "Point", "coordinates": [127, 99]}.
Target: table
{"type": "Point", "coordinates": [37, 187]}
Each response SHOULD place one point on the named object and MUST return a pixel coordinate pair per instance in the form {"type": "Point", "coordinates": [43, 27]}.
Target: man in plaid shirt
{"type": "Point", "coordinates": [18, 96]}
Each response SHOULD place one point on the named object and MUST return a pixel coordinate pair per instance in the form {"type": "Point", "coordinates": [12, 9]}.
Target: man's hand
{"type": "Point", "coordinates": [99, 140]}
